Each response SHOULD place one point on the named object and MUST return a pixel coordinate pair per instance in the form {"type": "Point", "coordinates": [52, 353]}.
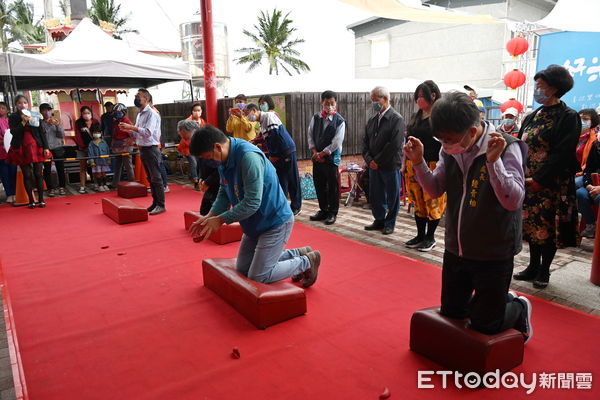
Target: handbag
{"type": "Point", "coordinates": [307, 187]}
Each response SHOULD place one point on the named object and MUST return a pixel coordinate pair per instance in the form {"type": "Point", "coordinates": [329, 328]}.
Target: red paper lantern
{"type": "Point", "coordinates": [517, 46]}
{"type": "Point", "coordinates": [511, 103]}
{"type": "Point", "coordinates": [514, 79]}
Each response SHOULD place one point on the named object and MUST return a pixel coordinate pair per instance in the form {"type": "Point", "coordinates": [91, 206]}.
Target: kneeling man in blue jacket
{"type": "Point", "coordinates": [251, 195]}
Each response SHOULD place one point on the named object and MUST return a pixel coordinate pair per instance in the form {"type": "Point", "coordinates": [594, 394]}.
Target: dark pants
{"type": "Point", "coordinates": [325, 177]}
{"type": "Point", "coordinates": [208, 199]}
{"type": "Point", "coordinates": [490, 309]}
{"type": "Point", "coordinates": [163, 171]}
{"type": "Point", "coordinates": [384, 193]}
{"type": "Point", "coordinates": [120, 162]}
{"type": "Point", "coordinates": [289, 179]}
{"type": "Point", "coordinates": [8, 175]}
{"type": "Point", "coordinates": [151, 160]}
{"type": "Point", "coordinates": [60, 169]}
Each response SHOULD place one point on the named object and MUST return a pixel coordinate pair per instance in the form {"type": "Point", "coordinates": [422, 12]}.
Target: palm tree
{"type": "Point", "coordinates": [108, 11]}
{"type": "Point", "coordinates": [6, 23]}
{"type": "Point", "coordinates": [273, 42]}
{"type": "Point", "coordinates": [23, 27]}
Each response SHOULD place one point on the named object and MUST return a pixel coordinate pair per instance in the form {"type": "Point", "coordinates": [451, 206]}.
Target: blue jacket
{"type": "Point", "coordinates": [96, 150]}
{"type": "Point", "coordinates": [279, 142]}
{"type": "Point", "coordinates": [274, 209]}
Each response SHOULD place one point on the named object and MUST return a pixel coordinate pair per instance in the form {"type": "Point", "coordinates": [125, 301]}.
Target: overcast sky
{"type": "Point", "coordinates": [329, 47]}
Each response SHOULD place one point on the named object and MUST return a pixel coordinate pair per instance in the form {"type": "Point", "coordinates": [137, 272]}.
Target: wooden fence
{"type": "Point", "coordinates": [296, 109]}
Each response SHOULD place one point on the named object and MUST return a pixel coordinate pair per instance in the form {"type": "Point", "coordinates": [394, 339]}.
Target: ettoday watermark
{"type": "Point", "coordinates": [508, 380]}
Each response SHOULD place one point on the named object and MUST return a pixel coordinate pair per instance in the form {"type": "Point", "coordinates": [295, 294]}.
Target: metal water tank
{"type": "Point", "coordinates": [192, 51]}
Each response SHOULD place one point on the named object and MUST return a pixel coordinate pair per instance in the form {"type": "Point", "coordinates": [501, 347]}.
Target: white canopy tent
{"type": "Point", "coordinates": [573, 15]}
{"type": "Point", "coordinates": [90, 58]}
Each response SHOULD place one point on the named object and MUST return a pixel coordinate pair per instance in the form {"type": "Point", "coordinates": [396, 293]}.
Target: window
{"type": "Point", "coordinates": [380, 52]}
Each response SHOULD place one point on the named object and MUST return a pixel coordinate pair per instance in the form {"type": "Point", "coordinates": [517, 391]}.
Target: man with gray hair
{"type": "Point", "coordinates": [382, 151]}
{"type": "Point", "coordinates": [204, 173]}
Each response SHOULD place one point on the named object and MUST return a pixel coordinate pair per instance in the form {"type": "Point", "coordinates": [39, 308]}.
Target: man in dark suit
{"type": "Point", "coordinates": [382, 151]}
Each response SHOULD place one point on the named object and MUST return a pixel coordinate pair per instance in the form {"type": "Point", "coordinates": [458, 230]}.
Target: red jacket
{"type": "Point", "coordinates": [119, 133]}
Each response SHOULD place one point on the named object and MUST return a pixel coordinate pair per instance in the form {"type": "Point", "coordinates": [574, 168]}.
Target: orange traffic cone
{"type": "Point", "coordinates": [140, 172]}
{"type": "Point", "coordinates": [21, 198]}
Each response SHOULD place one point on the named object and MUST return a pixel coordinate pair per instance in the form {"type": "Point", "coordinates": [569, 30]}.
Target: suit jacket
{"type": "Point", "coordinates": [384, 139]}
{"type": "Point", "coordinates": [18, 131]}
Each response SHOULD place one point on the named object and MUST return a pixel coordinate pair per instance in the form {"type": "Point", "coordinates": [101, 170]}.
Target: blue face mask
{"type": "Point", "coordinates": [241, 106]}
{"type": "Point", "coordinates": [540, 97]}
{"type": "Point", "coordinates": [119, 115]}
{"type": "Point", "coordinates": [585, 125]}
{"type": "Point", "coordinates": [137, 102]}
{"type": "Point", "coordinates": [508, 122]}
{"type": "Point", "coordinates": [377, 106]}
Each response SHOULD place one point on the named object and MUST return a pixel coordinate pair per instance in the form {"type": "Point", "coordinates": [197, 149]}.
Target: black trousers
{"type": "Point", "coordinates": [60, 169]}
{"type": "Point", "coordinates": [325, 177]}
{"type": "Point", "coordinates": [489, 307]}
{"type": "Point", "coordinates": [208, 198]}
{"type": "Point", "coordinates": [289, 179]}
{"type": "Point", "coordinates": [151, 160]}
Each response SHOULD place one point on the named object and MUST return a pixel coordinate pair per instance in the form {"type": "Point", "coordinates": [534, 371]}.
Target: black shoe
{"type": "Point", "coordinates": [151, 207]}
{"type": "Point", "coordinates": [375, 226]}
{"type": "Point", "coordinates": [523, 324]}
{"type": "Point", "coordinates": [41, 204]}
{"type": "Point", "coordinates": [330, 219]}
{"type": "Point", "coordinates": [426, 245]}
{"type": "Point", "coordinates": [527, 274]}
{"type": "Point", "coordinates": [541, 280]}
{"type": "Point", "coordinates": [296, 212]}
{"type": "Point", "coordinates": [31, 205]}
{"type": "Point", "coordinates": [319, 216]}
{"type": "Point", "coordinates": [414, 242]}
{"type": "Point", "coordinates": [388, 230]}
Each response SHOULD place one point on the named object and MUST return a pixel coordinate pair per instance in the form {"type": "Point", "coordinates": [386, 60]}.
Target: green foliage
{"type": "Point", "coordinates": [272, 38]}
{"type": "Point", "coordinates": [108, 11]}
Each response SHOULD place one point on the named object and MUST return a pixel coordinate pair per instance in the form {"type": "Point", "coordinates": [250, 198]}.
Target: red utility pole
{"type": "Point", "coordinates": [210, 75]}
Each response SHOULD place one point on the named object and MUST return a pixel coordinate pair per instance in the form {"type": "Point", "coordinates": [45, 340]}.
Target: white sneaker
{"type": "Point", "coordinates": [101, 189]}
{"type": "Point", "coordinates": [10, 199]}
{"type": "Point", "coordinates": [106, 188]}
{"type": "Point", "coordinates": [82, 189]}
{"type": "Point", "coordinates": [167, 190]}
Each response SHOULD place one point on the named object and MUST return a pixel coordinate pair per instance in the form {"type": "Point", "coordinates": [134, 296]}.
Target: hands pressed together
{"type": "Point", "coordinates": [205, 226]}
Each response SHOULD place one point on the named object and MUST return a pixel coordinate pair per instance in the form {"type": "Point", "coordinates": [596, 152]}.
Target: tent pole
{"type": "Point", "coordinates": [210, 76]}
{"type": "Point", "coordinates": [191, 89]}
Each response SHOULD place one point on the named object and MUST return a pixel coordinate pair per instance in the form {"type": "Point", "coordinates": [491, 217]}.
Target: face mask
{"type": "Point", "coordinates": [455, 148]}
{"type": "Point", "coordinates": [119, 115]}
{"type": "Point", "coordinates": [251, 117]}
{"type": "Point", "coordinates": [377, 106]}
{"type": "Point", "coordinates": [508, 122]}
{"type": "Point", "coordinates": [422, 103]}
{"type": "Point", "coordinates": [22, 106]}
{"type": "Point", "coordinates": [87, 117]}
{"type": "Point", "coordinates": [328, 110]}
{"type": "Point", "coordinates": [585, 125]}
{"type": "Point", "coordinates": [264, 107]}
{"type": "Point", "coordinates": [137, 102]}
{"type": "Point", "coordinates": [97, 135]}
{"type": "Point", "coordinates": [241, 106]}
{"type": "Point", "coordinates": [540, 97]}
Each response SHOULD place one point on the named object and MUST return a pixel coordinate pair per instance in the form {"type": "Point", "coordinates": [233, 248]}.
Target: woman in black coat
{"type": "Point", "coordinates": [549, 209]}
{"type": "Point", "coordinates": [28, 149]}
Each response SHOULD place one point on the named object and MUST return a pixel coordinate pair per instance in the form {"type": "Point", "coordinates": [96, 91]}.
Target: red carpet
{"type": "Point", "coordinates": [133, 321]}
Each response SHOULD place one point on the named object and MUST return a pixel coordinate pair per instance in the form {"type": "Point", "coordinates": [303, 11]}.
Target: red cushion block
{"type": "Point", "coordinates": [263, 305]}
{"type": "Point", "coordinates": [227, 233]}
{"type": "Point", "coordinates": [450, 343]}
{"type": "Point", "coordinates": [129, 190]}
{"type": "Point", "coordinates": [123, 211]}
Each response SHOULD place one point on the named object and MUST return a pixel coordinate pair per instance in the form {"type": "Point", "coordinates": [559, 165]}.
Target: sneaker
{"type": "Point", "coordinates": [426, 245]}
{"type": "Point", "coordinates": [152, 207]}
{"type": "Point", "coordinates": [51, 193]}
{"type": "Point", "coordinates": [302, 251]}
{"type": "Point", "coordinates": [158, 210]}
{"type": "Point", "coordinates": [62, 191]}
{"type": "Point", "coordinates": [589, 231]}
{"type": "Point", "coordinates": [512, 295]}
{"type": "Point", "coordinates": [82, 190]}
{"type": "Point", "coordinates": [10, 199]}
{"type": "Point", "coordinates": [524, 323]}
{"type": "Point", "coordinates": [167, 190]}
{"type": "Point", "coordinates": [414, 242]}
{"type": "Point", "coordinates": [296, 212]}
{"type": "Point", "coordinates": [311, 274]}
{"type": "Point", "coordinates": [106, 188]}
{"type": "Point", "coordinates": [101, 189]}
{"type": "Point", "coordinates": [95, 187]}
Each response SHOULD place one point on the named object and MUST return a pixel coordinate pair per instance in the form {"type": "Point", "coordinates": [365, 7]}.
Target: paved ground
{"type": "Point", "coordinates": [569, 283]}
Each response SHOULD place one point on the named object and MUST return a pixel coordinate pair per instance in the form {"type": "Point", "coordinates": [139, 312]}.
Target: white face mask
{"type": "Point", "coordinates": [97, 135]}
{"type": "Point", "coordinates": [87, 117]}
{"type": "Point", "coordinates": [456, 148]}
{"type": "Point", "coordinates": [22, 106]}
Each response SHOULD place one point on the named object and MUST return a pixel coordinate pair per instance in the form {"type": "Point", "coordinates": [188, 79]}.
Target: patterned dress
{"type": "Point", "coordinates": [549, 215]}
